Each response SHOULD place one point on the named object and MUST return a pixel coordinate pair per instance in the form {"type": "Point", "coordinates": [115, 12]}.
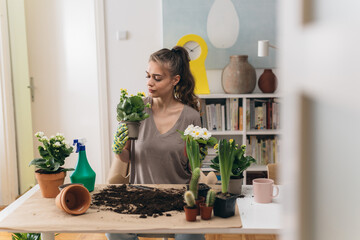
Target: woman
{"type": "Point", "coordinates": [159, 151]}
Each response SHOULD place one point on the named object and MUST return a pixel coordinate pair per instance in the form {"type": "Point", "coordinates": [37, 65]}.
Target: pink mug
{"type": "Point", "coordinates": [263, 190]}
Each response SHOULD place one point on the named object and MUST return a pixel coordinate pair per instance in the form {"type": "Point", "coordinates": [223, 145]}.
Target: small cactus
{"type": "Point", "coordinates": [189, 199]}
{"type": "Point", "coordinates": [194, 182]}
{"type": "Point", "coordinates": [210, 198]}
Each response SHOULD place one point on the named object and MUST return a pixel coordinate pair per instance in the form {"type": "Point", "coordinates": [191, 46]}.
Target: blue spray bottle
{"type": "Point", "coordinates": [83, 172]}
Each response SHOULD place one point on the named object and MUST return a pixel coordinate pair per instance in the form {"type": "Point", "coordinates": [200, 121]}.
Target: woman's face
{"type": "Point", "coordinates": [159, 81]}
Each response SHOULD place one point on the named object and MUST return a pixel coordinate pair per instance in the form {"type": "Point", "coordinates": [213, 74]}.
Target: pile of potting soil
{"type": "Point", "coordinates": [126, 199]}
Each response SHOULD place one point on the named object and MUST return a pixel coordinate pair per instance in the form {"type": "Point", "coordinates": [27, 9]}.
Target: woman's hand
{"type": "Point", "coordinates": [120, 138]}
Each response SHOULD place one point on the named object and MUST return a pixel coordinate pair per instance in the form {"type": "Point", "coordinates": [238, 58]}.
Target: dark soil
{"type": "Point", "coordinates": [131, 199]}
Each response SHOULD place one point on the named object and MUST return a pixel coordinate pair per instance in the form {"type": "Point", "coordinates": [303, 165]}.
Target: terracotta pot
{"type": "Point", "coordinates": [190, 214]}
{"type": "Point", "coordinates": [238, 76]}
{"type": "Point", "coordinates": [267, 81]}
{"type": "Point", "coordinates": [133, 128]}
{"type": "Point", "coordinates": [198, 202]}
{"type": "Point", "coordinates": [74, 199]}
{"type": "Point", "coordinates": [235, 185]}
{"type": "Point", "coordinates": [49, 183]}
{"type": "Point", "coordinates": [205, 212]}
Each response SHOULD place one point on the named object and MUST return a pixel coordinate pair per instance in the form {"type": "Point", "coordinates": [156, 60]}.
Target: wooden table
{"type": "Point", "coordinates": [44, 217]}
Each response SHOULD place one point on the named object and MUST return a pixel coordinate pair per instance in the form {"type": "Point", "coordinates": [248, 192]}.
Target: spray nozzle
{"type": "Point", "coordinates": [80, 144]}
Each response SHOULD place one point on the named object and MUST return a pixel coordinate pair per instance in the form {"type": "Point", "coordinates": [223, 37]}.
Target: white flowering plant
{"type": "Point", "coordinates": [53, 153]}
{"type": "Point", "coordinates": [197, 140]}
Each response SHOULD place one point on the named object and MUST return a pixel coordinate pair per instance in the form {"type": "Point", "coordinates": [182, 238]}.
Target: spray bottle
{"type": "Point", "coordinates": [83, 172]}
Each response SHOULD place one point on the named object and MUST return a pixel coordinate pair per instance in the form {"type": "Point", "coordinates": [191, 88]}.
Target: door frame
{"type": "Point", "coordinates": [9, 186]}
{"type": "Point", "coordinates": [103, 87]}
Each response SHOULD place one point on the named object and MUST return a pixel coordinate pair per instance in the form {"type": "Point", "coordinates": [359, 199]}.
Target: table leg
{"type": "Point", "coordinates": [47, 236]}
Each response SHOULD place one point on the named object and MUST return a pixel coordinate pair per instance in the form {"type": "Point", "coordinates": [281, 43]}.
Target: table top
{"type": "Point", "coordinates": [32, 213]}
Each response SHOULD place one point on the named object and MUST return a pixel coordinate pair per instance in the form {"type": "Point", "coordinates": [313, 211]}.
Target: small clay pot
{"type": "Point", "coordinates": [133, 129]}
{"type": "Point", "coordinates": [190, 214]}
{"type": "Point", "coordinates": [49, 183]}
{"type": "Point", "coordinates": [74, 199]}
{"type": "Point", "coordinates": [205, 212]}
{"type": "Point", "coordinates": [198, 202]}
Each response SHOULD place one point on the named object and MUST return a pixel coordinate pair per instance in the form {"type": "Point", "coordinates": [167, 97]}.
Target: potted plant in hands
{"type": "Point", "coordinates": [130, 110]}
{"type": "Point", "coordinates": [50, 174]}
{"type": "Point", "coordinates": [224, 205]}
{"type": "Point", "coordinates": [190, 208]}
{"type": "Point", "coordinates": [207, 207]}
{"type": "Point", "coordinates": [240, 164]}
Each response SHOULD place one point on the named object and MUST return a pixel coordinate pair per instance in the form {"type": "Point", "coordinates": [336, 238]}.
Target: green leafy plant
{"type": "Point", "coordinates": [227, 150]}
{"type": "Point", "coordinates": [53, 153]}
{"type": "Point", "coordinates": [131, 108]}
{"type": "Point", "coordinates": [197, 139]}
{"type": "Point", "coordinates": [26, 236]}
{"type": "Point", "coordinates": [240, 164]}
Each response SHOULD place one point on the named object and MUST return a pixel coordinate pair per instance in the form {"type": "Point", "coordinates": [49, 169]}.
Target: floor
{"type": "Point", "coordinates": [101, 236]}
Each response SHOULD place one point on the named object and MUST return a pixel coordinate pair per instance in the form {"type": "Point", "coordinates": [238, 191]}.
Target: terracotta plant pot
{"type": "Point", "coordinates": [74, 199]}
{"type": "Point", "coordinates": [133, 128]}
{"type": "Point", "coordinates": [198, 202]}
{"type": "Point", "coordinates": [49, 183]}
{"type": "Point", "coordinates": [190, 214]}
{"type": "Point", "coordinates": [205, 212]}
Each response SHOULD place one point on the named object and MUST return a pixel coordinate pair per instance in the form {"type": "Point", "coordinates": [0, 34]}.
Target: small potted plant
{"type": "Point", "coordinates": [193, 187]}
{"type": "Point", "coordinates": [49, 173]}
{"type": "Point", "coordinates": [190, 208]}
{"type": "Point", "coordinates": [240, 164]}
{"type": "Point", "coordinates": [224, 205]}
{"type": "Point", "coordinates": [207, 207]}
{"type": "Point", "coordinates": [197, 140]}
{"type": "Point", "coordinates": [131, 110]}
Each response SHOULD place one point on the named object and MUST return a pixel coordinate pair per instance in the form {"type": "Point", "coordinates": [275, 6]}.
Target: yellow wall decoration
{"type": "Point", "coordinates": [197, 49]}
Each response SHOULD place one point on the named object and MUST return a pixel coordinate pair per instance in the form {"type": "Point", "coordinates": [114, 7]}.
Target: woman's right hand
{"type": "Point", "coordinates": [120, 138]}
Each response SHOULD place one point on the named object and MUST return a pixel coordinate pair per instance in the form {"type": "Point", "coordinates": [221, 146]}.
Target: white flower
{"type": "Point", "coordinates": [206, 134]}
{"type": "Point", "coordinates": [189, 129]}
{"type": "Point", "coordinates": [59, 136]}
{"type": "Point", "coordinates": [44, 138]}
{"type": "Point", "coordinates": [57, 144]}
{"type": "Point", "coordinates": [52, 137]}
{"type": "Point", "coordinates": [39, 134]}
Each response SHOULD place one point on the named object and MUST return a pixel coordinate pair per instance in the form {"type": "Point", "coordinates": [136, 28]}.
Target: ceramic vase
{"type": "Point", "coordinates": [238, 76]}
{"type": "Point", "coordinates": [267, 81]}
{"type": "Point", "coordinates": [49, 183]}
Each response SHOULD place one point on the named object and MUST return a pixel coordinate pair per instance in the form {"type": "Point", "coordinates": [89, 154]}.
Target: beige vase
{"type": "Point", "coordinates": [238, 76]}
{"type": "Point", "coordinates": [49, 183]}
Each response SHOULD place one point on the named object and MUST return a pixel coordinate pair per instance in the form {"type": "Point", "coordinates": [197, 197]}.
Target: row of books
{"type": "Point", "coordinates": [262, 114]}
{"type": "Point", "coordinates": [227, 114]}
{"type": "Point", "coordinates": [264, 150]}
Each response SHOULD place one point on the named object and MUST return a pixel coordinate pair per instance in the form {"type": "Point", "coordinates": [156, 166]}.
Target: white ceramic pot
{"type": "Point", "coordinates": [235, 185]}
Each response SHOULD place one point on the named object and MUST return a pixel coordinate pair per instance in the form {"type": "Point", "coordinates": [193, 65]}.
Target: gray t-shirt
{"type": "Point", "coordinates": [159, 158]}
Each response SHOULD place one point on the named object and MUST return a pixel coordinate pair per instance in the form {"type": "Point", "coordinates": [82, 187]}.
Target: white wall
{"type": "Point", "coordinates": [127, 59]}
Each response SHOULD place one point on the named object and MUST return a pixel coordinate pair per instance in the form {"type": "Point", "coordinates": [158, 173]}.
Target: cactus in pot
{"type": "Point", "coordinates": [210, 198]}
{"type": "Point", "coordinates": [190, 208]}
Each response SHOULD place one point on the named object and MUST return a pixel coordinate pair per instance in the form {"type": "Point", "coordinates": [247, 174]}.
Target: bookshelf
{"type": "Point", "coordinates": [259, 126]}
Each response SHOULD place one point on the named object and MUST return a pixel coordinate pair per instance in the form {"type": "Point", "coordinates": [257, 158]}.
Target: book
{"type": "Point", "coordinates": [247, 107]}
{"type": "Point", "coordinates": [228, 126]}
{"type": "Point", "coordinates": [234, 108]}
{"type": "Point", "coordinates": [203, 113]}
{"type": "Point", "coordinates": [218, 116]}
{"type": "Point", "coordinates": [222, 117]}
{"type": "Point", "coordinates": [241, 120]}
{"type": "Point", "coordinates": [213, 117]}
{"type": "Point", "coordinates": [208, 117]}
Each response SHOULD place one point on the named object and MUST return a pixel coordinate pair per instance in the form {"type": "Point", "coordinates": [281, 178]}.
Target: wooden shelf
{"type": "Point", "coordinates": [253, 95]}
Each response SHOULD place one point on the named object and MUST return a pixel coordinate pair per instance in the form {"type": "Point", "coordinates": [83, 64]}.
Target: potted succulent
{"type": "Point", "coordinates": [49, 173]}
{"type": "Point", "coordinates": [130, 110]}
{"type": "Point", "coordinates": [240, 164]}
{"type": "Point", "coordinates": [190, 208]}
{"type": "Point", "coordinates": [207, 207]}
{"type": "Point", "coordinates": [193, 187]}
{"type": "Point", "coordinates": [224, 205]}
